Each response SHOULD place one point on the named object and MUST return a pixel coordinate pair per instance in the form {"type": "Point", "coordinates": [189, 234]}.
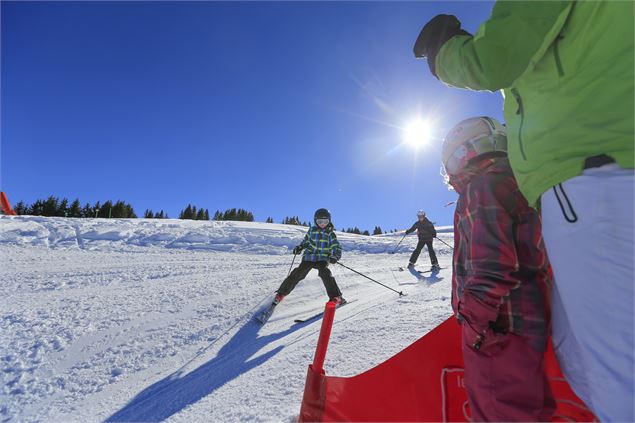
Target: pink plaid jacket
{"type": "Point", "coordinates": [500, 279]}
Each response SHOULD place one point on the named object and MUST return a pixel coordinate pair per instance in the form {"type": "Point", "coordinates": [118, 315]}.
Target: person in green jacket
{"type": "Point", "coordinates": [565, 69]}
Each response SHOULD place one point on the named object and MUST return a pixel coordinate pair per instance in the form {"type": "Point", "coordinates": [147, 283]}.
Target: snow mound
{"type": "Point", "coordinates": [135, 234]}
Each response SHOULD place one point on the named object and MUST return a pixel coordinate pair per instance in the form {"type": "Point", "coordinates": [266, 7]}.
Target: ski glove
{"type": "Point", "coordinates": [297, 250]}
{"type": "Point", "coordinates": [433, 35]}
{"type": "Point", "coordinates": [333, 259]}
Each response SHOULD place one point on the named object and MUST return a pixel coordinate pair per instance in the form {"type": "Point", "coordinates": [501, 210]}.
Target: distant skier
{"type": "Point", "coordinates": [320, 247]}
{"type": "Point", "coordinates": [500, 283]}
{"type": "Point", "coordinates": [425, 230]}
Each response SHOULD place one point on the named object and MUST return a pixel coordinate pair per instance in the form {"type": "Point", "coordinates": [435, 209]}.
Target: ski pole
{"type": "Point", "coordinates": [291, 267]}
{"type": "Point", "coordinates": [369, 278]}
{"type": "Point", "coordinates": [443, 242]}
{"type": "Point", "coordinates": [402, 238]}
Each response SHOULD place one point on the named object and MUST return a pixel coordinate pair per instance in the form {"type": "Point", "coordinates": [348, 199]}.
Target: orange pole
{"type": "Point", "coordinates": [5, 207]}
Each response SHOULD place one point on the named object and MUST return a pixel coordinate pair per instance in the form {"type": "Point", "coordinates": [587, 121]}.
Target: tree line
{"type": "Point", "coordinates": [54, 206]}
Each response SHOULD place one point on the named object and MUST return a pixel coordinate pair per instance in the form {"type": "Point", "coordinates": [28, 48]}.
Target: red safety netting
{"type": "Point", "coordinates": [424, 382]}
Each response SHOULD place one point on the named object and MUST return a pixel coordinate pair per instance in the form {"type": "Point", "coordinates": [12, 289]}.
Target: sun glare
{"type": "Point", "coordinates": [417, 133]}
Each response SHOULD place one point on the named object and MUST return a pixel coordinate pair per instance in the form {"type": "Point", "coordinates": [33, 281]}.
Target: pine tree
{"type": "Point", "coordinates": [75, 209]}
{"type": "Point", "coordinates": [106, 209]}
{"type": "Point", "coordinates": [377, 231]}
{"type": "Point", "coordinates": [148, 214]}
{"type": "Point", "coordinates": [187, 213]}
{"type": "Point", "coordinates": [37, 208]}
{"type": "Point", "coordinates": [62, 208]}
{"type": "Point", "coordinates": [131, 213]}
{"type": "Point", "coordinates": [269, 220]}
{"type": "Point", "coordinates": [206, 216]}
{"type": "Point", "coordinates": [119, 210]}
{"type": "Point", "coordinates": [218, 215]}
{"type": "Point", "coordinates": [200, 215]}
{"type": "Point", "coordinates": [292, 220]}
{"type": "Point", "coordinates": [87, 211]}
{"type": "Point", "coordinates": [366, 233]}
{"type": "Point", "coordinates": [50, 206]}
{"type": "Point", "coordinates": [20, 208]}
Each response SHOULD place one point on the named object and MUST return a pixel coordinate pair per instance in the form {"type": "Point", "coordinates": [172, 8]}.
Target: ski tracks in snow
{"type": "Point", "coordinates": [115, 320]}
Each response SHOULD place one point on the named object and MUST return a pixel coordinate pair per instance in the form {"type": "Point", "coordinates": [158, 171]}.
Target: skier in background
{"type": "Point", "coordinates": [321, 247]}
{"type": "Point", "coordinates": [566, 72]}
{"type": "Point", "coordinates": [500, 283]}
{"type": "Point", "coordinates": [425, 230]}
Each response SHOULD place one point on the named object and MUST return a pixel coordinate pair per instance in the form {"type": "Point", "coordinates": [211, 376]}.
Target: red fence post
{"type": "Point", "coordinates": [315, 385]}
{"type": "Point", "coordinates": [325, 334]}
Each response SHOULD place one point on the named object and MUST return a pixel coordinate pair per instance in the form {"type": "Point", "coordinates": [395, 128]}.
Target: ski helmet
{"type": "Point", "coordinates": [321, 214]}
{"type": "Point", "coordinates": [421, 213]}
{"type": "Point", "coordinates": [469, 139]}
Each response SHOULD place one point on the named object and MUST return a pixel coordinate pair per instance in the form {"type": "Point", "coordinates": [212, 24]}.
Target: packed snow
{"type": "Point", "coordinates": [152, 319]}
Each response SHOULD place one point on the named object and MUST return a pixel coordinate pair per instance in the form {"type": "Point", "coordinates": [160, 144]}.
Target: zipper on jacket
{"type": "Point", "coordinates": [556, 55]}
{"type": "Point", "coordinates": [556, 50]}
{"type": "Point", "coordinates": [520, 112]}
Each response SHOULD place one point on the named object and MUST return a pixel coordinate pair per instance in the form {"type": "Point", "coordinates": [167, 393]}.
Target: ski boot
{"type": "Point", "coordinates": [411, 266]}
{"type": "Point", "coordinates": [435, 268]}
{"type": "Point", "coordinates": [339, 300]}
{"type": "Point", "coordinates": [266, 314]}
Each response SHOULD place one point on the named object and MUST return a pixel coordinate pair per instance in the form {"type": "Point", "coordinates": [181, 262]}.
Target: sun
{"type": "Point", "coordinates": [417, 133]}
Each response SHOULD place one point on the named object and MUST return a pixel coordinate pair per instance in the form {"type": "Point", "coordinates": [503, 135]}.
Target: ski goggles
{"type": "Point", "coordinates": [322, 222]}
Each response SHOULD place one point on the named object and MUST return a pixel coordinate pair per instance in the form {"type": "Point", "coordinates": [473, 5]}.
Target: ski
{"type": "Point", "coordinates": [431, 270]}
{"type": "Point", "coordinates": [401, 269]}
{"type": "Point", "coordinates": [318, 315]}
{"type": "Point", "coordinates": [266, 314]}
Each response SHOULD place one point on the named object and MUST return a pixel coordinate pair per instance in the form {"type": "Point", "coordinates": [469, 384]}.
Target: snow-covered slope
{"type": "Point", "coordinates": [147, 320]}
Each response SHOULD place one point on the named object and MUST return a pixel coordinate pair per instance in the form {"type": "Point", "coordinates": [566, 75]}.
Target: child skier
{"type": "Point", "coordinates": [425, 230]}
{"type": "Point", "coordinates": [320, 247]}
{"type": "Point", "coordinates": [500, 282]}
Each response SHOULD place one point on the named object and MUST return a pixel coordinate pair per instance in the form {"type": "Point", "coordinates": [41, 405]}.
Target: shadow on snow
{"type": "Point", "coordinates": [173, 393]}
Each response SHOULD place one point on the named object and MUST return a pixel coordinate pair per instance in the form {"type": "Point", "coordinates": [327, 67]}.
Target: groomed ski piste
{"type": "Point", "coordinates": [151, 320]}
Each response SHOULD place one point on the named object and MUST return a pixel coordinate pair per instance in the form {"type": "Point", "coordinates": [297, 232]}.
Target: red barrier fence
{"type": "Point", "coordinates": [5, 207]}
{"type": "Point", "coordinates": [424, 382]}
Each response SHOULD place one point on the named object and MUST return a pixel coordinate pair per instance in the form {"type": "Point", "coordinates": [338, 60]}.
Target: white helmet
{"type": "Point", "coordinates": [421, 213]}
{"type": "Point", "coordinates": [469, 139]}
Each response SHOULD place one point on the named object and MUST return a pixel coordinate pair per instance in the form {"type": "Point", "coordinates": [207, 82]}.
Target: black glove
{"type": "Point", "coordinates": [297, 250]}
{"type": "Point", "coordinates": [433, 35]}
{"type": "Point", "coordinates": [333, 259]}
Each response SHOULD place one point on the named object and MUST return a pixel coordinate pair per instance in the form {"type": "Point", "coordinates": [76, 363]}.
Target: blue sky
{"type": "Point", "coordinates": [279, 108]}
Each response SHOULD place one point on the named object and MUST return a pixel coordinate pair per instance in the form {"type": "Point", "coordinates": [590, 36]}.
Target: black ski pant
{"type": "Point", "coordinates": [300, 273]}
{"type": "Point", "coordinates": [417, 251]}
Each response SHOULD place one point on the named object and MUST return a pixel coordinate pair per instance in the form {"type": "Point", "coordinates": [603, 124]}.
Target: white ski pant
{"type": "Point", "coordinates": [588, 231]}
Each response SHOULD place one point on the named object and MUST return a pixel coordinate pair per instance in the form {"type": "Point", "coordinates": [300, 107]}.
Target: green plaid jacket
{"type": "Point", "coordinates": [321, 244]}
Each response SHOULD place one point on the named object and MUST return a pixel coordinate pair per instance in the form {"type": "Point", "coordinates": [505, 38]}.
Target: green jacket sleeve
{"type": "Point", "coordinates": [515, 37]}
